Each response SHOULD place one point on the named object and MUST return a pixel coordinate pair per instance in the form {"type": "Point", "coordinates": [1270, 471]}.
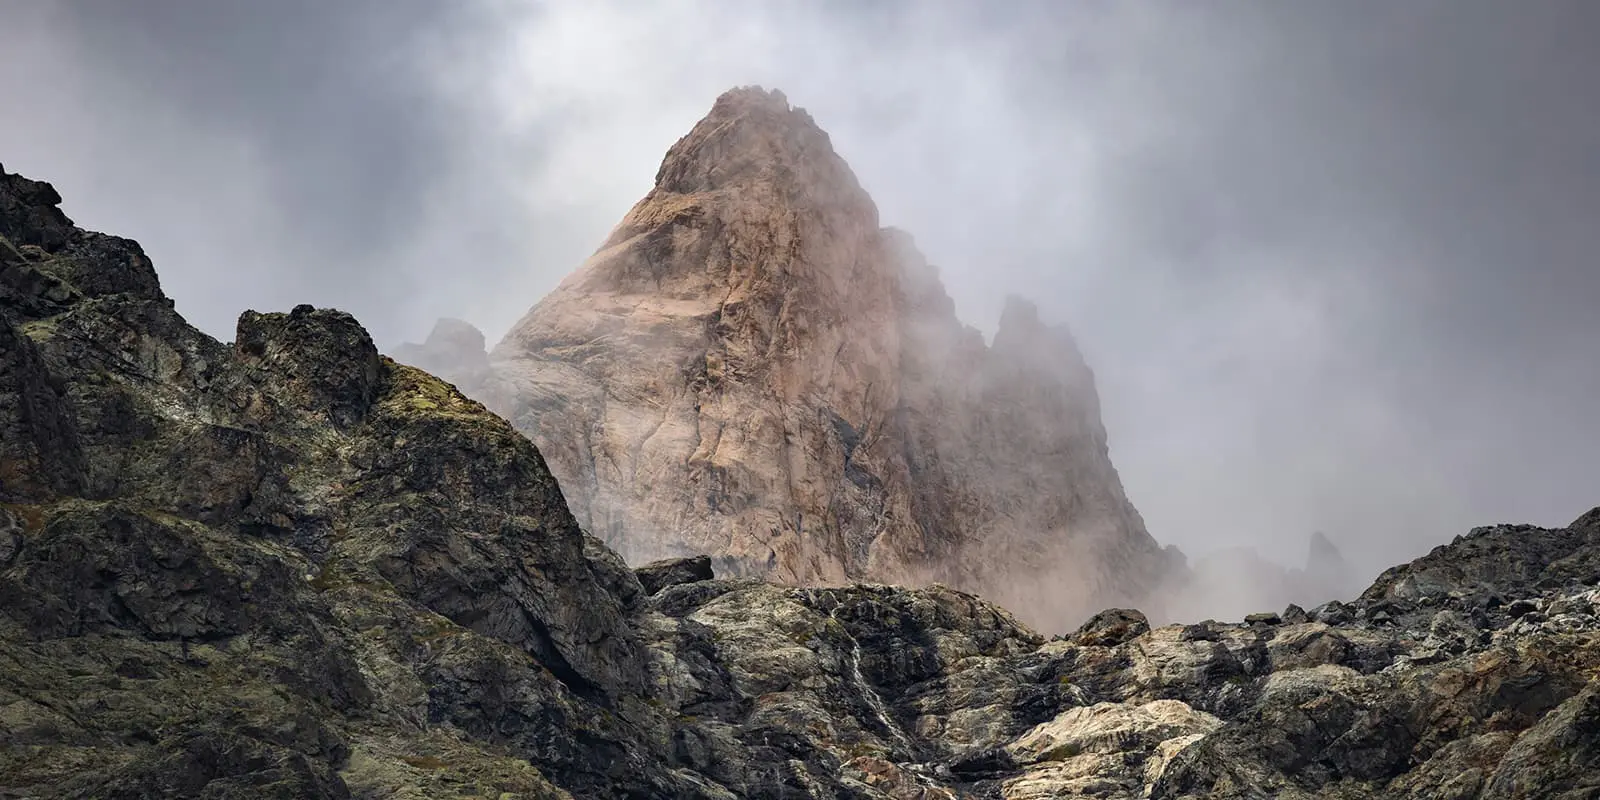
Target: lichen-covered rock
{"type": "Point", "coordinates": [1108, 749]}
{"type": "Point", "coordinates": [309, 361]}
{"type": "Point", "coordinates": [1112, 627]}
{"type": "Point", "coordinates": [1493, 563]}
{"type": "Point", "coordinates": [292, 568]}
{"type": "Point", "coordinates": [262, 570]}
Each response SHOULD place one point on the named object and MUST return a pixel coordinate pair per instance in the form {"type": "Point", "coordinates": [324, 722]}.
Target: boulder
{"type": "Point", "coordinates": [658, 575]}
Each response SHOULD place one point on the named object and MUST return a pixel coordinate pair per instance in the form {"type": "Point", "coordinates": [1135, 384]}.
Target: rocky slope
{"type": "Point", "coordinates": [750, 366]}
{"type": "Point", "coordinates": [288, 567]}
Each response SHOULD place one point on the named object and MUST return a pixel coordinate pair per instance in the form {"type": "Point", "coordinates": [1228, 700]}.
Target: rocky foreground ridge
{"type": "Point", "coordinates": [750, 366]}
{"type": "Point", "coordinates": [289, 567]}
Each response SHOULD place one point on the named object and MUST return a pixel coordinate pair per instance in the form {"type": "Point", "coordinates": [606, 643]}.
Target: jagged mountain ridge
{"type": "Point", "coordinates": [750, 366]}
{"type": "Point", "coordinates": [291, 568]}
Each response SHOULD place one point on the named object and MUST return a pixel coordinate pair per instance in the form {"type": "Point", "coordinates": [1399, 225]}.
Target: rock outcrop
{"type": "Point", "coordinates": [292, 568]}
{"type": "Point", "coordinates": [750, 366]}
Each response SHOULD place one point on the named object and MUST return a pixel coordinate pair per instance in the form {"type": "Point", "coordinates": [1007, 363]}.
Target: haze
{"type": "Point", "coordinates": [1334, 264]}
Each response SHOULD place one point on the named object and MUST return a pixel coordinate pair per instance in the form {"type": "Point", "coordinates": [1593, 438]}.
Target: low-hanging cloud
{"type": "Point", "coordinates": [1334, 265]}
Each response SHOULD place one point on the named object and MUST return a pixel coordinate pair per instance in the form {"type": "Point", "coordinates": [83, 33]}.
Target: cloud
{"type": "Point", "coordinates": [1334, 267]}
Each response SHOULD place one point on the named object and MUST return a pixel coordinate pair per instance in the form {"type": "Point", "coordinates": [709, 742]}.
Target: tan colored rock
{"type": "Point", "coordinates": [1104, 750]}
{"type": "Point", "coordinates": [751, 367]}
{"type": "Point", "coordinates": [890, 781]}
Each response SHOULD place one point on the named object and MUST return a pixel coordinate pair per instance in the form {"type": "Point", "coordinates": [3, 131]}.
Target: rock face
{"type": "Point", "coordinates": [750, 366]}
{"type": "Point", "coordinates": [292, 568]}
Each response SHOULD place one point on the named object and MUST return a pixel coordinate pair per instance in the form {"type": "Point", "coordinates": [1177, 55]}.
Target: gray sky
{"type": "Point", "coordinates": [1334, 263]}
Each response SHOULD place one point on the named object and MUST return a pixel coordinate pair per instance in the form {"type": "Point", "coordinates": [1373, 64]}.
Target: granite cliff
{"type": "Point", "coordinates": [289, 567]}
{"type": "Point", "coordinates": [751, 367]}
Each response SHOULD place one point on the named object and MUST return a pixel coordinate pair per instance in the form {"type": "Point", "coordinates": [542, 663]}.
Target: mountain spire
{"type": "Point", "coordinates": [751, 367]}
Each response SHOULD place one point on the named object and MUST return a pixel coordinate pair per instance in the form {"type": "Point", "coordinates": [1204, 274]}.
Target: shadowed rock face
{"type": "Point", "coordinates": [292, 568]}
{"type": "Point", "coordinates": [751, 367]}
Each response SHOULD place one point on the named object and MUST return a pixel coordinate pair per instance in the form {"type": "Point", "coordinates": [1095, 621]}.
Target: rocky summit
{"type": "Point", "coordinates": [751, 367]}
{"type": "Point", "coordinates": [289, 567]}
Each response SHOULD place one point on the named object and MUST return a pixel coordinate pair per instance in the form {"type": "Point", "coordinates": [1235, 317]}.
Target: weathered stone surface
{"type": "Point", "coordinates": [1487, 563]}
{"type": "Point", "coordinates": [1112, 627]}
{"type": "Point", "coordinates": [1104, 749]}
{"type": "Point", "coordinates": [317, 362]}
{"type": "Point", "coordinates": [751, 367]}
{"type": "Point", "coordinates": [43, 455]}
{"type": "Point", "coordinates": [271, 570]}
{"type": "Point", "coordinates": [658, 575]}
{"type": "Point", "coordinates": [292, 568]}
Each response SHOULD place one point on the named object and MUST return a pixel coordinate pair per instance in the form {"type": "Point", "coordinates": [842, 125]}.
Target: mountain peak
{"type": "Point", "coordinates": [1020, 314]}
{"type": "Point", "coordinates": [743, 98]}
{"type": "Point", "coordinates": [754, 140]}
{"type": "Point", "coordinates": [751, 367]}
{"type": "Point", "coordinates": [30, 212]}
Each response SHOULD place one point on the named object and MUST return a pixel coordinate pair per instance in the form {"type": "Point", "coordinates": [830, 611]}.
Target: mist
{"type": "Point", "coordinates": [1333, 266]}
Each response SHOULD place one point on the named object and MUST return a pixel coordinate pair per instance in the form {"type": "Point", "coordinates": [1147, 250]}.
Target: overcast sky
{"type": "Point", "coordinates": [1334, 263]}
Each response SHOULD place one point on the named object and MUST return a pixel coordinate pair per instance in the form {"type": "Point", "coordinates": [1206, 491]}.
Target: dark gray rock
{"type": "Point", "coordinates": [1333, 612]}
{"type": "Point", "coordinates": [223, 766]}
{"type": "Point", "coordinates": [1490, 562]}
{"type": "Point", "coordinates": [43, 454]}
{"type": "Point", "coordinates": [658, 575]}
{"type": "Point", "coordinates": [1112, 627]}
{"type": "Point", "coordinates": [317, 362]}
{"type": "Point", "coordinates": [683, 599]}
{"type": "Point", "coordinates": [1558, 757]}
